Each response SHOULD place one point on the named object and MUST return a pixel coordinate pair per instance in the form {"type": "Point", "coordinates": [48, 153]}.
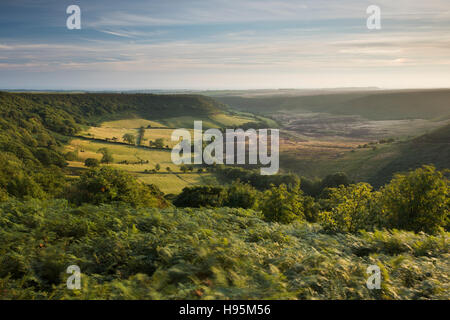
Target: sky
{"type": "Point", "coordinates": [223, 44]}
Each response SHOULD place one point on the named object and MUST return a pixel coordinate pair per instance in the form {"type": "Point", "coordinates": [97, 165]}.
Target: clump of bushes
{"type": "Point", "coordinates": [416, 201]}
{"type": "Point", "coordinates": [238, 195]}
{"type": "Point", "coordinates": [91, 163]}
{"type": "Point", "coordinates": [106, 185]}
{"type": "Point", "coordinates": [351, 209]}
{"type": "Point", "coordinates": [202, 196]}
{"type": "Point", "coordinates": [279, 205]}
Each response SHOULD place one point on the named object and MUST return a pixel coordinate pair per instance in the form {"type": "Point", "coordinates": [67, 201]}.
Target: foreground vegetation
{"type": "Point", "coordinates": [128, 253]}
{"type": "Point", "coordinates": [130, 243]}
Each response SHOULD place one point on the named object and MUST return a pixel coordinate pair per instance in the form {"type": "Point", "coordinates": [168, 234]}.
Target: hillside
{"type": "Point", "coordinates": [372, 105]}
{"type": "Point", "coordinates": [376, 163]}
{"type": "Point", "coordinates": [432, 148]}
{"type": "Point", "coordinates": [127, 253]}
{"type": "Point", "coordinates": [148, 106]}
{"type": "Point", "coordinates": [37, 127]}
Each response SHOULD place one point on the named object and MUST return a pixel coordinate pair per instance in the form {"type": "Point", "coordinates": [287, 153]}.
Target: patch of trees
{"type": "Point", "coordinates": [158, 143]}
{"type": "Point", "coordinates": [106, 155]}
{"type": "Point", "coordinates": [91, 163]}
{"type": "Point", "coordinates": [318, 187]}
{"type": "Point", "coordinates": [129, 138]}
{"type": "Point", "coordinates": [255, 179]}
{"type": "Point", "coordinates": [107, 185]}
{"type": "Point", "coordinates": [238, 195]}
{"type": "Point", "coordinates": [416, 201]}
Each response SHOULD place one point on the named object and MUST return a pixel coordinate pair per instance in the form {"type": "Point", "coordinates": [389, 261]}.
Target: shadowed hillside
{"type": "Point", "coordinates": [36, 127]}
{"type": "Point", "coordinates": [432, 148]}
{"type": "Point", "coordinates": [145, 105]}
{"type": "Point", "coordinates": [381, 105]}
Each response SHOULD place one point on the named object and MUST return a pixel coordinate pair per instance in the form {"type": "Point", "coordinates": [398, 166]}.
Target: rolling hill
{"type": "Point", "coordinates": [377, 163]}
{"type": "Point", "coordinates": [432, 148]}
{"type": "Point", "coordinates": [37, 127]}
{"type": "Point", "coordinates": [372, 105]}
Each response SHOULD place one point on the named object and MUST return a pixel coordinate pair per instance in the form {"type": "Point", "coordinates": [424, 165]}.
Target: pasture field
{"type": "Point", "coordinates": [173, 183]}
{"type": "Point", "coordinates": [141, 160]}
{"type": "Point", "coordinates": [231, 120]}
{"type": "Point", "coordinates": [131, 123]}
{"type": "Point", "coordinates": [149, 134]}
{"type": "Point", "coordinates": [169, 182]}
{"type": "Point", "coordinates": [218, 120]}
{"type": "Point", "coordinates": [108, 133]}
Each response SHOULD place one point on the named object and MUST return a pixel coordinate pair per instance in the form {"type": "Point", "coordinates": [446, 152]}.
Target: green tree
{"type": "Point", "coordinates": [71, 156]}
{"type": "Point", "coordinates": [201, 196]}
{"type": "Point", "coordinates": [157, 167]}
{"type": "Point", "coordinates": [334, 180]}
{"type": "Point", "coordinates": [351, 208]}
{"type": "Point", "coordinates": [107, 156]}
{"type": "Point", "coordinates": [159, 143]}
{"type": "Point", "coordinates": [241, 195]}
{"type": "Point", "coordinates": [417, 201]}
{"type": "Point", "coordinates": [91, 162]}
{"type": "Point", "coordinates": [129, 138]}
{"type": "Point", "coordinates": [106, 184]}
{"type": "Point", "coordinates": [281, 205]}
{"type": "Point", "coordinates": [3, 195]}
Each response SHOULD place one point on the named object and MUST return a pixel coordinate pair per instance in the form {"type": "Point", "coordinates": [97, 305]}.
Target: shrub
{"type": "Point", "coordinates": [159, 143]}
{"type": "Point", "coordinates": [417, 201]}
{"type": "Point", "coordinates": [281, 205]}
{"type": "Point", "coordinates": [350, 209]}
{"type": "Point", "coordinates": [241, 195]}
{"type": "Point", "coordinates": [3, 195]}
{"type": "Point", "coordinates": [203, 196]}
{"type": "Point", "coordinates": [71, 156]}
{"type": "Point", "coordinates": [129, 138]}
{"type": "Point", "coordinates": [49, 157]}
{"type": "Point", "coordinates": [107, 156]}
{"type": "Point", "coordinates": [105, 185]}
{"type": "Point", "coordinates": [91, 163]}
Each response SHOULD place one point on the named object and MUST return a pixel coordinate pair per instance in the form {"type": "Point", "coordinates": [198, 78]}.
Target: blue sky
{"type": "Point", "coordinates": [224, 44]}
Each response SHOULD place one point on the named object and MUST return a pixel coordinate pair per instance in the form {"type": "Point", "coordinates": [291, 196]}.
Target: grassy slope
{"type": "Point", "coordinates": [63, 113]}
{"type": "Point", "coordinates": [137, 109]}
{"type": "Point", "coordinates": [379, 165]}
{"type": "Point", "coordinates": [432, 148]}
{"type": "Point", "coordinates": [168, 182]}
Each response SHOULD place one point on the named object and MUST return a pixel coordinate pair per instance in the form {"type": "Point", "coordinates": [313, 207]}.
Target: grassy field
{"type": "Point", "coordinates": [131, 123]}
{"type": "Point", "coordinates": [169, 182]}
{"type": "Point", "coordinates": [172, 181]}
{"type": "Point", "coordinates": [149, 135]}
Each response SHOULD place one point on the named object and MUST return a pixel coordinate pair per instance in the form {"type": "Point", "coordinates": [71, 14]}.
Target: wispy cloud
{"type": "Point", "coordinates": [259, 41]}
